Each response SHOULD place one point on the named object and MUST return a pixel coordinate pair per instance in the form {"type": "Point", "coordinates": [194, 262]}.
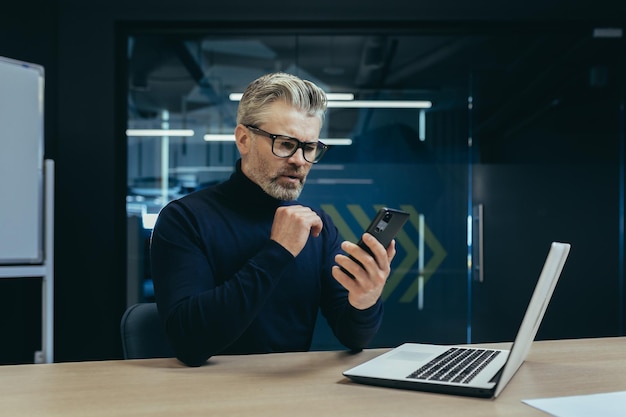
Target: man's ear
{"type": "Point", "coordinates": [242, 139]}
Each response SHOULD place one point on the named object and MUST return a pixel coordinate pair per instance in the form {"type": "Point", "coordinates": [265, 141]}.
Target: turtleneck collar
{"type": "Point", "coordinates": [244, 193]}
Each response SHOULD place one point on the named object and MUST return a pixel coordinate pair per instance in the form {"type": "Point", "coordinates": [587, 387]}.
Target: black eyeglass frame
{"type": "Point", "coordinates": [321, 147]}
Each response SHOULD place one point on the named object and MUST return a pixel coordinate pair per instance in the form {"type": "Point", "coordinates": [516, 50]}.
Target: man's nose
{"type": "Point", "coordinates": [298, 157]}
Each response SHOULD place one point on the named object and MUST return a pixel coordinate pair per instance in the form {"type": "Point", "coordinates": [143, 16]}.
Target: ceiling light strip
{"type": "Point", "coordinates": [159, 132]}
{"type": "Point", "coordinates": [382, 104]}
{"type": "Point", "coordinates": [346, 100]}
{"type": "Point", "coordinates": [329, 96]}
{"type": "Point", "coordinates": [211, 137]}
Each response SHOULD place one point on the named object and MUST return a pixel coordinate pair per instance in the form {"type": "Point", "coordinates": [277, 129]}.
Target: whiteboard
{"type": "Point", "coordinates": [21, 162]}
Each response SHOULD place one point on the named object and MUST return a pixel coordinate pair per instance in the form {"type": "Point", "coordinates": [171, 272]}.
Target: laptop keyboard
{"type": "Point", "coordinates": [459, 365]}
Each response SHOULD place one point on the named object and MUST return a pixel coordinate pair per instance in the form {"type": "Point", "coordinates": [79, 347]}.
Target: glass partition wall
{"type": "Point", "coordinates": [403, 108]}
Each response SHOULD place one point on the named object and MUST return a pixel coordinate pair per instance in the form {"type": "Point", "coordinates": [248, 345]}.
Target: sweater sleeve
{"type": "Point", "coordinates": [201, 317]}
{"type": "Point", "coordinates": [354, 328]}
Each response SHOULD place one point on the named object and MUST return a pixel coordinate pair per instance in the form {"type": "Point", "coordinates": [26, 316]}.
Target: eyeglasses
{"type": "Point", "coordinates": [286, 146]}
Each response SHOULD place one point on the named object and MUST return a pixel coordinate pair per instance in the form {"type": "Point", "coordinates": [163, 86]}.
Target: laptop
{"type": "Point", "coordinates": [465, 369]}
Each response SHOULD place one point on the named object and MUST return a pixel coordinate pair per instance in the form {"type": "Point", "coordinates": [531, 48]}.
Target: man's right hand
{"type": "Point", "coordinates": [293, 225]}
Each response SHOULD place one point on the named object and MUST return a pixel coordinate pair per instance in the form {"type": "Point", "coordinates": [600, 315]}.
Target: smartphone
{"type": "Point", "coordinates": [384, 227]}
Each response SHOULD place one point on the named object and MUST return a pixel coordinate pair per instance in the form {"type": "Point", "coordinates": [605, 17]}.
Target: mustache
{"type": "Point", "coordinates": [299, 173]}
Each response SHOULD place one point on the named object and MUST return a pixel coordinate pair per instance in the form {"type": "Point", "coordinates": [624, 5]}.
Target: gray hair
{"type": "Point", "coordinates": [303, 95]}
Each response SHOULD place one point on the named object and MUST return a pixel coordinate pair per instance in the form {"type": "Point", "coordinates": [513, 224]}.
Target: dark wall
{"type": "Point", "coordinates": [76, 41]}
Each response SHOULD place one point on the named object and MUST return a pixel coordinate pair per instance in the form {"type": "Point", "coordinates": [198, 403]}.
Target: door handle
{"type": "Point", "coordinates": [478, 259]}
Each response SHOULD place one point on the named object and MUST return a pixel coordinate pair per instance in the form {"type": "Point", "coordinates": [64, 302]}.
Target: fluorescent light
{"type": "Point", "coordinates": [337, 141]}
{"type": "Point", "coordinates": [346, 100]}
{"type": "Point", "coordinates": [329, 96]}
{"type": "Point", "coordinates": [340, 96]}
{"type": "Point", "coordinates": [210, 137]}
{"type": "Point", "coordinates": [382, 104]}
{"type": "Point", "coordinates": [607, 33]}
{"type": "Point", "coordinates": [159, 132]}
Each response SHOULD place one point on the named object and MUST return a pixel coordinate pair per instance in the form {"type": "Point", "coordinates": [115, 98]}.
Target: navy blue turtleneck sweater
{"type": "Point", "coordinates": [223, 287]}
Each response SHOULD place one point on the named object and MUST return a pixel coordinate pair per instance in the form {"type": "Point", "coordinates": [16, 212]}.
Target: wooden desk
{"type": "Point", "coordinates": [293, 384]}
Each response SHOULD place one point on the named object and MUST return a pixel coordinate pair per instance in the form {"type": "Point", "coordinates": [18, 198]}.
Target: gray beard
{"type": "Point", "coordinates": [280, 192]}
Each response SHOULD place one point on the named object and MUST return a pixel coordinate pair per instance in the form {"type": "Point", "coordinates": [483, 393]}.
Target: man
{"type": "Point", "coordinates": [241, 267]}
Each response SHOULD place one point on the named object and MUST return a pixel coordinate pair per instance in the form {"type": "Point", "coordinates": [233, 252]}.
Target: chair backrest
{"type": "Point", "coordinates": [142, 332]}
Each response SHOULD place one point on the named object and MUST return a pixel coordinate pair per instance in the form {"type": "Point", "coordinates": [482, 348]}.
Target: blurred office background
{"type": "Point", "coordinates": [500, 126]}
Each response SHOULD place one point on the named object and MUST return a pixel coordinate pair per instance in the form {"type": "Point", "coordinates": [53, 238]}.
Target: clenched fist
{"type": "Point", "coordinates": [293, 225]}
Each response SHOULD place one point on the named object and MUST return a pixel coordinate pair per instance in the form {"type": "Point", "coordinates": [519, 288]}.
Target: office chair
{"type": "Point", "coordinates": [142, 332]}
